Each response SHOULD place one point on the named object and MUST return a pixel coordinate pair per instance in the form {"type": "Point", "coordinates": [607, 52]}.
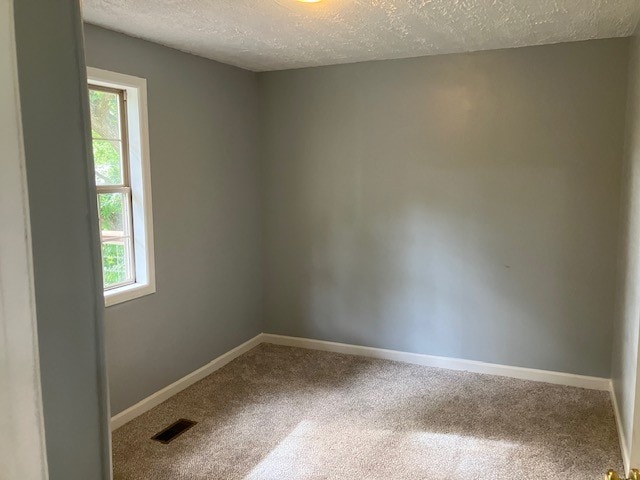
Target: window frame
{"type": "Point", "coordinates": [123, 188]}
{"type": "Point", "coordinates": [137, 176]}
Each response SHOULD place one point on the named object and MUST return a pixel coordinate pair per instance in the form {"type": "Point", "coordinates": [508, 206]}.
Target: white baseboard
{"type": "Point", "coordinates": [621, 437]}
{"type": "Point", "coordinates": [169, 391]}
{"type": "Point", "coordinates": [558, 378]}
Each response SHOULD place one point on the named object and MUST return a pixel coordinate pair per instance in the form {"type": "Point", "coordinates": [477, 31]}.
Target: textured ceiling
{"type": "Point", "coordinates": [278, 34]}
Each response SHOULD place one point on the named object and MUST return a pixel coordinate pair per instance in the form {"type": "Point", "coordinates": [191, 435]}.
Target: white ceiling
{"type": "Point", "coordinates": [278, 34]}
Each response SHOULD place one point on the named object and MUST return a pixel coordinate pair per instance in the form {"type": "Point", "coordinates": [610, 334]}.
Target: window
{"type": "Point", "coordinates": [122, 174]}
{"type": "Point", "coordinates": [110, 154]}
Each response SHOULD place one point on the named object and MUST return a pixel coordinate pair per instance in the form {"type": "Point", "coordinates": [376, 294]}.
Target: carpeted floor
{"type": "Point", "coordinates": [282, 413]}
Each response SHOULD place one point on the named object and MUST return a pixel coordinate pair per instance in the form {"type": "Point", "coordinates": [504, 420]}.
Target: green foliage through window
{"type": "Point", "coordinates": [113, 207]}
{"type": "Point", "coordinates": [107, 137]}
{"type": "Point", "coordinates": [114, 264]}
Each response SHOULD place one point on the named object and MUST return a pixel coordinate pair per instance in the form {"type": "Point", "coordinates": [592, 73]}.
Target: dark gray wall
{"type": "Point", "coordinates": [627, 320]}
{"type": "Point", "coordinates": [205, 187]}
{"type": "Point", "coordinates": [458, 205]}
{"type": "Point", "coordinates": [64, 230]}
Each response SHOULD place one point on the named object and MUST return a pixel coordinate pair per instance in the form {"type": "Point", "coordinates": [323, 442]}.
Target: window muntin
{"type": "Point", "coordinates": [111, 160]}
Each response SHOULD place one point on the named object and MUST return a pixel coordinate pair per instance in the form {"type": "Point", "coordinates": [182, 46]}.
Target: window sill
{"type": "Point", "coordinates": [126, 293]}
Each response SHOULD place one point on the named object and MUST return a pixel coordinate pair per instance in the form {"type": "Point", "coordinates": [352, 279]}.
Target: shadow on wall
{"type": "Point", "coordinates": [453, 266]}
{"type": "Point", "coordinates": [462, 206]}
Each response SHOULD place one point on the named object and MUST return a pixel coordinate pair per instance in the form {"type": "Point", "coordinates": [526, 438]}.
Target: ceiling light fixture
{"type": "Point", "coordinates": [309, 1]}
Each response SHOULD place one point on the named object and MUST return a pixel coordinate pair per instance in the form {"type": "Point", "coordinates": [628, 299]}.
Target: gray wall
{"type": "Point", "coordinates": [64, 228]}
{"type": "Point", "coordinates": [627, 320]}
{"type": "Point", "coordinates": [458, 205]}
{"type": "Point", "coordinates": [205, 187]}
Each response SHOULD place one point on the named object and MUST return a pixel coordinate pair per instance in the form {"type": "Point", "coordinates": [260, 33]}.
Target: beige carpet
{"type": "Point", "coordinates": [283, 413]}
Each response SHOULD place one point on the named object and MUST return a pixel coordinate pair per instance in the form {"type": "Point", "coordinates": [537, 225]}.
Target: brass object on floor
{"type": "Point", "coordinates": [613, 475]}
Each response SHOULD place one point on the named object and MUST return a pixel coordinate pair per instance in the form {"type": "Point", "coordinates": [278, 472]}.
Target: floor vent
{"type": "Point", "coordinates": [173, 431]}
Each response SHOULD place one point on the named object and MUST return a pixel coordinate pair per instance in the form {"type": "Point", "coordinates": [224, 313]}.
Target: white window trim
{"type": "Point", "coordinates": [140, 171]}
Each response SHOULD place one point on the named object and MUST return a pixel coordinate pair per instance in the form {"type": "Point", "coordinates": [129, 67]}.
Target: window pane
{"type": "Point", "coordinates": [107, 155]}
{"type": "Point", "coordinates": [105, 114]}
{"type": "Point", "coordinates": [117, 249]}
{"type": "Point", "coordinates": [116, 265]}
{"type": "Point", "coordinates": [106, 132]}
{"type": "Point", "coordinates": [114, 216]}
